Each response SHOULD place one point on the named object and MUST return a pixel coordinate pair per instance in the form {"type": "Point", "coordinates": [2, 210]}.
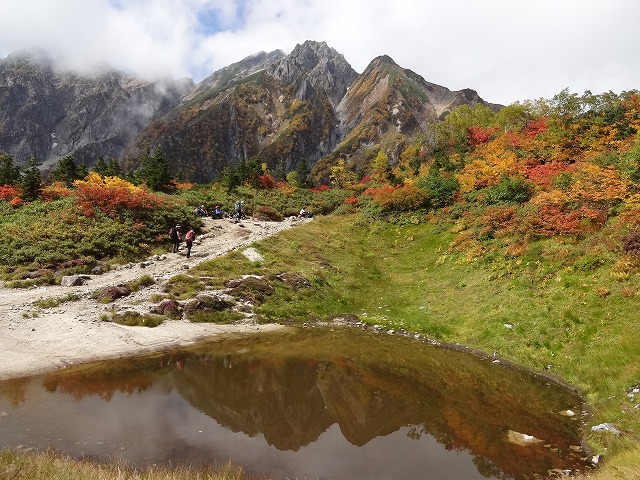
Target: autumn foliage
{"type": "Point", "coordinates": [112, 195]}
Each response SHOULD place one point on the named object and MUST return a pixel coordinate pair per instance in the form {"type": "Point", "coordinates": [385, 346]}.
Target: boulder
{"type": "Point", "coordinates": [73, 280]}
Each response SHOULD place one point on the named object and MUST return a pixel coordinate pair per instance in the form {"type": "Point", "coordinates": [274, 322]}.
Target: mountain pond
{"type": "Point", "coordinates": [313, 403]}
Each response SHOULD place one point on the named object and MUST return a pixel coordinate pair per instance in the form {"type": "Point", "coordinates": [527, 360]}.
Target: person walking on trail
{"type": "Point", "coordinates": [238, 207]}
{"type": "Point", "coordinates": [174, 233]}
{"type": "Point", "coordinates": [189, 238]}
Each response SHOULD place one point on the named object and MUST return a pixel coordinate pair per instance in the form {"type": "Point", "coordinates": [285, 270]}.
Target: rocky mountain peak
{"type": "Point", "coordinates": [312, 67]}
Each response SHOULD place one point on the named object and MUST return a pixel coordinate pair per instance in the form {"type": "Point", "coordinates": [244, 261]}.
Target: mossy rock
{"type": "Point", "coordinates": [168, 307]}
{"type": "Point", "coordinates": [293, 280]}
{"type": "Point", "coordinates": [253, 289]}
{"type": "Point", "coordinates": [207, 303]}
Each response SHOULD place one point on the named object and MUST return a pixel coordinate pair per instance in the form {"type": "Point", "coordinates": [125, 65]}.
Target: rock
{"type": "Point", "coordinates": [252, 255]}
{"type": "Point", "coordinates": [606, 427]}
{"type": "Point", "coordinates": [294, 280]}
{"type": "Point", "coordinates": [522, 439]}
{"type": "Point", "coordinates": [167, 307]}
{"type": "Point", "coordinates": [73, 280]}
{"type": "Point", "coordinates": [97, 270]}
{"type": "Point", "coordinates": [209, 303]}
{"type": "Point", "coordinates": [568, 413]}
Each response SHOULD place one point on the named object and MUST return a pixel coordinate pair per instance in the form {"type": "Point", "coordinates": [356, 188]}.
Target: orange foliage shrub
{"type": "Point", "coordinates": [267, 182]}
{"type": "Point", "coordinates": [112, 194]}
{"type": "Point", "coordinates": [404, 198]}
{"type": "Point", "coordinates": [497, 221]}
{"type": "Point", "coordinates": [286, 188]}
{"type": "Point", "coordinates": [595, 185]}
{"type": "Point", "coordinates": [55, 191]}
{"type": "Point", "coordinates": [8, 193]}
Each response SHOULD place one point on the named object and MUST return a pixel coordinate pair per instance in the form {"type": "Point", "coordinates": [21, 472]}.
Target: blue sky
{"type": "Point", "coordinates": [506, 50]}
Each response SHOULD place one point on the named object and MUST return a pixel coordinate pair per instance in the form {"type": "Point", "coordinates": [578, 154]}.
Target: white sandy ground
{"type": "Point", "coordinates": [34, 340]}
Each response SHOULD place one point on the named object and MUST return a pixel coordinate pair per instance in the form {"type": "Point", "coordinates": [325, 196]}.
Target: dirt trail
{"type": "Point", "coordinates": [34, 340]}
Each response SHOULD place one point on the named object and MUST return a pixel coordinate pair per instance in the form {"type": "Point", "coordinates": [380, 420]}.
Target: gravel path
{"type": "Point", "coordinates": [37, 340]}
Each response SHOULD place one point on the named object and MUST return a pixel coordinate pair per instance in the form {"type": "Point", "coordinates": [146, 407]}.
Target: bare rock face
{"type": "Point", "coordinates": [314, 68]}
{"type": "Point", "coordinates": [47, 113]}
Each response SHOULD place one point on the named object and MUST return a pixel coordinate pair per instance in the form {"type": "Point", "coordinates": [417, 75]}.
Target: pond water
{"type": "Point", "coordinates": [313, 403]}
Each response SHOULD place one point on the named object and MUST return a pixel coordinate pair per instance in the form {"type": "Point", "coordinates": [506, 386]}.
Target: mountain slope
{"type": "Point", "coordinates": [47, 113]}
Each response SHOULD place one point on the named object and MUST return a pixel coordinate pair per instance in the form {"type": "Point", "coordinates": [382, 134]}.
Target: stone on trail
{"type": "Point", "coordinates": [73, 280]}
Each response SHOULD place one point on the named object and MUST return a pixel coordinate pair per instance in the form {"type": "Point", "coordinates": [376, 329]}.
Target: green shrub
{"type": "Point", "coordinates": [135, 319]}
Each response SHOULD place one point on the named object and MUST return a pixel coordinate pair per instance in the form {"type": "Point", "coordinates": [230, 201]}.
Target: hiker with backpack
{"type": "Point", "coordinates": [174, 234]}
{"type": "Point", "coordinates": [189, 238]}
{"type": "Point", "coordinates": [238, 208]}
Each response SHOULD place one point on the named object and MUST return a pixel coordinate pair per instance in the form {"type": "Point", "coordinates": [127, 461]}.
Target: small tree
{"type": "Point", "coordinates": [229, 179]}
{"type": "Point", "coordinates": [66, 171]}
{"type": "Point", "coordinates": [302, 169]}
{"type": "Point", "coordinates": [31, 182]}
{"type": "Point", "coordinates": [154, 170]}
{"type": "Point", "coordinates": [9, 172]}
{"type": "Point", "coordinates": [340, 176]}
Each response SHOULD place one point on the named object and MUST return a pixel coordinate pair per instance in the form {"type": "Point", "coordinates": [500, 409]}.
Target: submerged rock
{"type": "Point", "coordinates": [522, 439]}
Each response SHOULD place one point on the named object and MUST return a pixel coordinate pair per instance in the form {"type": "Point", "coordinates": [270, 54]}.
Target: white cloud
{"type": "Point", "coordinates": [506, 50]}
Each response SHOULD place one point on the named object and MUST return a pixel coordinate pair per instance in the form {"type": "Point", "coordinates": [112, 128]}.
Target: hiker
{"type": "Point", "coordinates": [174, 233]}
{"type": "Point", "coordinates": [238, 207]}
{"type": "Point", "coordinates": [189, 238]}
{"type": "Point", "coordinates": [217, 212]}
{"type": "Point", "coordinates": [201, 211]}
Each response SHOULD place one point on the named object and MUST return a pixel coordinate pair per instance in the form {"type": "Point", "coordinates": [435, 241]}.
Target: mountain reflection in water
{"type": "Point", "coordinates": [314, 403]}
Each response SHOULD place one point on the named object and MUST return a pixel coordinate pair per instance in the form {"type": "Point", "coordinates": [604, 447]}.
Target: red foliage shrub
{"type": "Point", "coordinates": [479, 135]}
{"type": "Point", "coordinates": [112, 199]}
{"type": "Point", "coordinates": [8, 192]}
{"type": "Point", "coordinates": [267, 182]}
{"type": "Point", "coordinates": [536, 127]}
{"type": "Point", "coordinates": [55, 191]}
{"type": "Point", "coordinates": [351, 201]}
{"type": "Point", "coordinates": [320, 188]}
{"type": "Point", "coordinates": [543, 175]}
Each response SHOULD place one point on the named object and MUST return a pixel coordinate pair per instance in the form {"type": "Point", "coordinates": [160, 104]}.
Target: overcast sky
{"type": "Point", "coordinates": [506, 50]}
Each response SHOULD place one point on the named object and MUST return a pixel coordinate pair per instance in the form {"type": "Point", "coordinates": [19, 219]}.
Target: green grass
{"type": "Point", "coordinates": [54, 302]}
{"type": "Point", "coordinates": [48, 466]}
{"type": "Point", "coordinates": [135, 319]}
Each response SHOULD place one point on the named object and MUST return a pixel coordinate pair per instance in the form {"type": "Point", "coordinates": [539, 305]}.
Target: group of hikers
{"type": "Point", "coordinates": [189, 237]}
{"type": "Point", "coordinates": [217, 213]}
{"type": "Point", "coordinates": [201, 211]}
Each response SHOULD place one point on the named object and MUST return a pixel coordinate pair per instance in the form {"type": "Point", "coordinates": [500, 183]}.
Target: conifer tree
{"type": "Point", "coordinates": [66, 171]}
{"type": "Point", "coordinates": [229, 179]}
{"type": "Point", "coordinates": [100, 167]}
{"type": "Point", "coordinates": [9, 172]}
{"type": "Point", "coordinates": [154, 170]}
{"type": "Point", "coordinates": [302, 170]}
{"type": "Point", "coordinates": [30, 182]}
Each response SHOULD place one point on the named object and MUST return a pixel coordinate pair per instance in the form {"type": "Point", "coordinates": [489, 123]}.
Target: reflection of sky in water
{"type": "Point", "coordinates": [156, 427]}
